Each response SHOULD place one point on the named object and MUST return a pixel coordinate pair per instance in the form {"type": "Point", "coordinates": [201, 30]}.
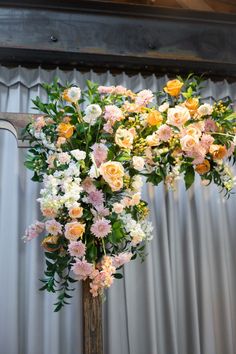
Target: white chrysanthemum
{"type": "Point", "coordinates": [92, 112]}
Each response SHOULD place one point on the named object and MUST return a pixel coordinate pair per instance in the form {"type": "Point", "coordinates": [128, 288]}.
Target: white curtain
{"type": "Point", "coordinates": [182, 300]}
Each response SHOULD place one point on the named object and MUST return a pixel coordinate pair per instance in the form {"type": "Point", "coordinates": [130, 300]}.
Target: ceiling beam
{"type": "Point", "coordinates": [200, 5]}
{"type": "Point", "coordinates": [114, 36]}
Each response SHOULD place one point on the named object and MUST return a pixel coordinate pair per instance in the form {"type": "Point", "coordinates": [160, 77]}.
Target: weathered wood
{"type": "Point", "coordinates": [92, 322]}
{"type": "Point", "coordinates": [119, 36]}
{"type": "Point", "coordinates": [15, 123]}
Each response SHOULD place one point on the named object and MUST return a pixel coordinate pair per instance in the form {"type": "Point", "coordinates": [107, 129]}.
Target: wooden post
{"type": "Point", "coordinates": [92, 321]}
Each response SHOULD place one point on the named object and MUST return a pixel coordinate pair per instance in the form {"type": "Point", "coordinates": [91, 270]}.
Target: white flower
{"type": "Point", "coordinates": [72, 94]}
{"type": "Point", "coordinates": [205, 109]}
{"type": "Point", "coordinates": [138, 163]}
{"type": "Point", "coordinates": [178, 116]}
{"type": "Point", "coordinates": [64, 157]}
{"type": "Point", "coordinates": [94, 171]}
{"type": "Point", "coordinates": [163, 107]}
{"type": "Point", "coordinates": [137, 183]}
{"type": "Point", "coordinates": [78, 154]}
{"type": "Point", "coordinates": [92, 112]}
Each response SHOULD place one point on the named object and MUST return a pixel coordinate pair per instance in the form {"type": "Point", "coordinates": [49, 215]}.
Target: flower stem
{"type": "Point", "coordinates": [103, 246]}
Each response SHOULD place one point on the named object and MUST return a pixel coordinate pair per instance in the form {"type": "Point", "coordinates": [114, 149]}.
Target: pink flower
{"type": "Point", "coordinates": [100, 212]}
{"type": "Point", "coordinates": [206, 141]}
{"type": "Point", "coordinates": [101, 228]}
{"type": "Point", "coordinates": [39, 123]}
{"type": "Point", "coordinates": [122, 259]}
{"type": "Point", "coordinates": [64, 157]}
{"type": "Point", "coordinates": [77, 249]}
{"type": "Point", "coordinates": [120, 90]}
{"type": "Point", "coordinates": [113, 114]}
{"type": "Point", "coordinates": [88, 185]}
{"type": "Point", "coordinates": [53, 227]}
{"type": "Point", "coordinates": [164, 132]}
{"type": "Point", "coordinates": [82, 269]}
{"type": "Point", "coordinates": [103, 90]}
{"type": "Point", "coordinates": [210, 125]}
{"type": "Point", "coordinates": [108, 127]}
{"type": "Point", "coordinates": [144, 97]}
{"type": "Point", "coordinates": [96, 198]}
{"type": "Point", "coordinates": [198, 153]}
{"type": "Point", "coordinates": [33, 231]}
{"type": "Point", "coordinates": [99, 153]}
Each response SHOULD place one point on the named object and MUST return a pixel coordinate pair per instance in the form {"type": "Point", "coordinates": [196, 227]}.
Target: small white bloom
{"type": "Point", "coordinates": [92, 112]}
{"type": "Point", "coordinates": [78, 154]}
{"type": "Point", "coordinates": [94, 172]}
{"type": "Point", "coordinates": [163, 107]}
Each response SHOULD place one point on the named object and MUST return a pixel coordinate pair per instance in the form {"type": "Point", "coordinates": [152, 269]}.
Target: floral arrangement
{"type": "Point", "coordinates": [92, 150]}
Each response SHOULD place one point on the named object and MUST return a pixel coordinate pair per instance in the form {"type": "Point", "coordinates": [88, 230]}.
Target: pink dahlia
{"type": "Point", "coordinates": [96, 198]}
{"type": "Point", "coordinates": [144, 97]}
{"type": "Point", "coordinates": [53, 227]}
{"type": "Point", "coordinates": [122, 259]}
{"type": "Point", "coordinates": [82, 269]}
{"type": "Point", "coordinates": [33, 231]}
{"type": "Point", "coordinates": [113, 113]}
{"type": "Point", "coordinates": [101, 228]}
{"type": "Point", "coordinates": [164, 132]}
{"type": "Point", "coordinates": [99, 153]}
{"type": "Point", "coordinates": [77, 249]}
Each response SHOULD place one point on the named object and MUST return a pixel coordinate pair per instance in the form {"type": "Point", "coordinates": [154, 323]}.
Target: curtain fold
{"type": "Point", "coordinates": [182, 300]}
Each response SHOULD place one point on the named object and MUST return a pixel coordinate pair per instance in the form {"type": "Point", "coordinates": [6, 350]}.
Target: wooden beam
{"type": "Point", "coordinates": [115, 36]}
{"type": "Point", "coordinates": [199, 5]}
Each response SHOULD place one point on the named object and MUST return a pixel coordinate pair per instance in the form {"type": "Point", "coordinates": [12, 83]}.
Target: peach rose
{"type": "Point", "coordinates": [203, 167]}
{"type": "Point", "coordinates": [193, 130]}
{"type": "Point", "coordinates": [49, 212]}
{"type": "Point", "coordinates": [138, 163]}
{"type": "Point", "coordinates": [113, 172]}
{"type": "Point", "coordinates": [173, 87]}
{"type": "Point", "coordinates": [65, 130]}
{"type": "Point", "coordinates": [188, 142]}
{"type": "Point", "coordinates": [74, 230]}
{"type": "Point", "coordinates": [116, 184]}
{"type": "Point", "coordinates": [192, 104]}
{"type": "Point", "coordinates": [49, 243]}
{"type": "Point", "coordinates": [154, 118]}
{"type": "Point", "coordinates": [76, 212]}
{"type": "Point", "coordinates": [124, 138]}
{"type": "Point", "coordinates": [118, 208]}
{"type": "Point", "coordinates": [218, 152]}
{"type": "Point", "coordinates": [178, 116]}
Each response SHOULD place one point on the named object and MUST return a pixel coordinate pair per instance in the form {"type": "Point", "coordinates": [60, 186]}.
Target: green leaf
{"type": "Point", "coordinates": [91, 252]}
{"type": "Point", "coordinates": [118, 276]}
{"type": "Point", "coordinates": [189, 176]}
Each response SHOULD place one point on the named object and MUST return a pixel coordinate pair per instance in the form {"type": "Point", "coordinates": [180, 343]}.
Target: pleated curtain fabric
{"type": "Point", "coordinates": [182, 300]}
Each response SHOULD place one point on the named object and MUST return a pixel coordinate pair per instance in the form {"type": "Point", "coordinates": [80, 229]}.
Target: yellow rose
{"type": "Point", "coordinates": [50, 240]}
{"type": "Point", "coordinates": [124, 138]}
{"type": "Point", "coordinates": [154, 118]}
{"type": "Point", "coordinates": [203, 167]}
{"type": "Point", "coordinates": [192, 104]}
{"type": "Point", "coordinates": [218, 152]}
{"type": "Point", "coordinates": [65, 130]}
{"type": "Point", "coordinates": [173, 87]}
{"type": "Point", "coordinates": [74, 230]}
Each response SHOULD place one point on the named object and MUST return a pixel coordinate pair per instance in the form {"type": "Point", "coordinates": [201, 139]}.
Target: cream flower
{"type": "Point", "coordinates": [205, 109]}
{"type": "Point", "coordinates": [178, 116]}
{"type": "Point", "coordinates": [138, 163]}
{"type": "Point", "coordinates": [153, 140]}
{"type": "Point", "coordinates": [113, 172]}
{"type": "Point", "coordinates": [188, 142]}
{"type": "Point", "coordinates": [124, 138]}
